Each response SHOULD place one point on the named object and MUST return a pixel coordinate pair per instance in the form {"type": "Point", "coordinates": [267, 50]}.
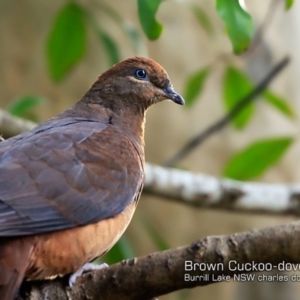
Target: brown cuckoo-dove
{"type": "Point", "coordinates": [69, 187]}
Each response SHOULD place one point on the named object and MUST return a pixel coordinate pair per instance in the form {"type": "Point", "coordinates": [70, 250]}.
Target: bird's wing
{"type": "Point", "coordinates": [55, 178]}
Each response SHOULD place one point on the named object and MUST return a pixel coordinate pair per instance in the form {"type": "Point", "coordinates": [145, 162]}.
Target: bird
{"type": "Point", "coordinates": [69, 187]}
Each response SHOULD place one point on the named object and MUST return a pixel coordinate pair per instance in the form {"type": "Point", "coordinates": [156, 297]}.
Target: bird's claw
{"type": "Point", "coordinates": [84, 268]}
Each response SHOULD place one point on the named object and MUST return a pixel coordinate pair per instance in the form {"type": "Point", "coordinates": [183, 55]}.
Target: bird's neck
{"type": "Point", "coordinates": [132, 125]}
{"type": "Point", "coordinates": [128, 121]}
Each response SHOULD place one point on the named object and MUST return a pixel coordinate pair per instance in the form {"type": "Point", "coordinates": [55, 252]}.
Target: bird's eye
{"type": "Point", "coordinates": [140, 74]}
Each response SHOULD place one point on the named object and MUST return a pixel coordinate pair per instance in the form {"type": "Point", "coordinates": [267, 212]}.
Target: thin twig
{"type": "Point", "coordinates": [200, 138]}
{"type": "Point", "coordinates": [266, 22]}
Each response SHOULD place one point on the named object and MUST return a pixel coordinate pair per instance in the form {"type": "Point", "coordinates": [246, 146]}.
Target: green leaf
{"type": "Point", "coordinates": [134, 37]}
{"type": "Point", "coordinates": [194, 85]}
{"type": "Point", "coordinates": [156, 237]}
{"type": "Point", "coordinates": [237, 85]}
{"type": "Point", "coordinates": [288, 4]}
{"type": "Point", "coordinates": [110, 47]}
{"type": "Point", "coordinates": [256, 158]}
{"type": "Point", "coordinates": [238, 24]}
{"type": "Point", "coordinates": [66, 42]}
{"type": "Point", "coordinates": [126, 25]}
{"type": "Point", "coordinates": [120, 251]}
{"type": "Point", "coordinates": [203, 19]}
{"type": "Point", "coordinates": [108, 43]}
{"type": "Point", "coordinates": [23, 106]}
{"type": "Point", "coordinates": [147, 10]}
{"type": "Point", "coordinates": [281, 104]}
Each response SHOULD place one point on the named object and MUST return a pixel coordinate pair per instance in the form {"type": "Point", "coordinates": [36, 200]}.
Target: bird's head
{"type": "Point", "coordinates": [138, 82]}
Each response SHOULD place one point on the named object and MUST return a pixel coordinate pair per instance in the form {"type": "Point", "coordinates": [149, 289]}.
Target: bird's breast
{"type": "Point", "coordinates": [65, 251]}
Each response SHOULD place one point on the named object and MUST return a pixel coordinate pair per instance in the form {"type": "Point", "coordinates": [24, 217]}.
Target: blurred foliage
{"type": "Point", "coordinates": [236, 86]}
{"type": "Point", "coordinates": [279, 103]}
{"type": "Point", "coordinates": [67, 39]}
{"type": "Point", "coordinates": [238, 24]}
{"type": "Point", "coordinates": [66, 43]}
{"type": "Point", "coordinates": [120, 251]}
{"type": "Point", "coordinates": [256, 158]}
{"type": "Point", "coordinates": [156, 237]}
{"type": "Point", "coordinates": [109, 46]}
{"type": "Point", "coordinates": [123, 249]}
{"type": "Point", "coordinates": [23, 107]}
{"type": "Point", "coordinates": [126, 25]}
{"type": "Point", "coordinates": [194, 85]}
{"type": "Point", "coordinates": [203, 19]}
{"type": "Point", "coordinates": [147, 10]}
{"type": "Point", "coordinates": [288, 4]}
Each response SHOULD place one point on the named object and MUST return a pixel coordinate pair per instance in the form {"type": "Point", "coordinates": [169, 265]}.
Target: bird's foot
{"type": "Point", "coordinates": [84, 268]}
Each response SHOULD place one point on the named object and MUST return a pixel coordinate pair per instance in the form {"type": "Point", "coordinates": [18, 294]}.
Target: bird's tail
{"type": "Point", "coordinates": [14, 256]}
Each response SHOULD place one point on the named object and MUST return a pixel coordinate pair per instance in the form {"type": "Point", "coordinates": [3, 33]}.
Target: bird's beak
{"type": "Point", "coordinates": [174, 96]}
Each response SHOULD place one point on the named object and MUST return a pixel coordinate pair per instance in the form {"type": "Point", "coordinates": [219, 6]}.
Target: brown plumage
{"type": "Point", "coordinates": [69, 187]}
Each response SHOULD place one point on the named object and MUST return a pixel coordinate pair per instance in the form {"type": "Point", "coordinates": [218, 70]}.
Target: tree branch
{"type": "Point", "coordinates": [11, 126]}
{"type": "Point", "coordinates": [202, 190]}
{"type": "Point", "coordinates": [212, 259]}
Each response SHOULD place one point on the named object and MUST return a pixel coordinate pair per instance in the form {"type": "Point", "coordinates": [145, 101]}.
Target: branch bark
{"type": "Point", "coordinates": [11, 126]}
{"type": "Point", "coordinates": [209, 260]}
{"type": "Point", "coordinates": [201, 190]}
